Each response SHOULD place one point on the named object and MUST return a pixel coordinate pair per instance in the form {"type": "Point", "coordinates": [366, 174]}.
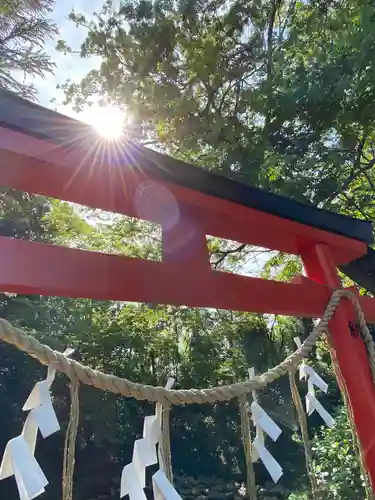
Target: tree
{"type": "Point", "coordinates": [275, 93]}
{"type": "Point", "coordinates": [24, 29]}
{"type": "Point", "coordinates": [336, 465]}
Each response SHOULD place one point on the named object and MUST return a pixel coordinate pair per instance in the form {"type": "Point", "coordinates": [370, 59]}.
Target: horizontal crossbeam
{"type": "Point", "coordinates": [40, 268]}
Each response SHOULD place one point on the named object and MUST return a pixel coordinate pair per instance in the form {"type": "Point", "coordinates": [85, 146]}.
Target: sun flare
{"type": "Point", "coordinates": [108, 121]}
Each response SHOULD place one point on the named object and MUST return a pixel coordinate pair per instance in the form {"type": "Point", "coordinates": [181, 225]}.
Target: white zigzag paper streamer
{"type": "Point", "coordinates": [41, 415]}
{"type": "Point", "coordinates": [133, 477]}
{"type": "Point", "coordinates": [264, 425]}
{"type": "Point", "coordinates": [313, 379]}
{"type": "Point", "coordinates": [18, 458]}
{"type": "Point", "coordinates": [163, 489]}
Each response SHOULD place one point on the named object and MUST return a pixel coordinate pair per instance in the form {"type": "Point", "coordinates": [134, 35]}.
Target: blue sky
{"type": "Point", "coordinates": [68, 66]}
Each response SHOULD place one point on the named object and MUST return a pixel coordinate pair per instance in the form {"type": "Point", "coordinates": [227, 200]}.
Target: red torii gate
{"type": "Point", "coordinates": [46, 153]}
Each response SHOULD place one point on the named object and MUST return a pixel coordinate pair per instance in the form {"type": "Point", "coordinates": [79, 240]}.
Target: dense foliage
{"type": "Point", "coordinates": [276, 93]}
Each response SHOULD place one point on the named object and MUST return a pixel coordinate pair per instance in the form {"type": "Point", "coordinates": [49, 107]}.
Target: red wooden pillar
{"type": "Point", "coordinates": [350, 353]}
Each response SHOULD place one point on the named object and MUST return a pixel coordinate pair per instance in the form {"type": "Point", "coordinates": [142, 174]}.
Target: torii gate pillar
{"type": "Point", "coordinates": [348, 354]}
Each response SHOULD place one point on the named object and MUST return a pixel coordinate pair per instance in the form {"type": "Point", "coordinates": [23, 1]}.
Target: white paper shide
{"type": "Point", "coordinates": [133, 477]}
{"type": "Point", "coordinates": [264, 425]}
{"type": "Point", "coordinates": [313, 380]}
{"type": "Point", "coordinates": [18, 458]}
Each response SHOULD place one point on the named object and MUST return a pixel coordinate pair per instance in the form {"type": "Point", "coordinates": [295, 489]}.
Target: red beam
{"type": "Point", "coordinates": [36, 166]}
{"type": "Point", "coordinates": [39, 268]}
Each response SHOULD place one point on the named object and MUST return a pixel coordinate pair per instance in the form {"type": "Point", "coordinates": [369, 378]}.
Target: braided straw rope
{"type": "Point", "coordinates": [247, 448]}
{"type": "Point", "coordinates": [88, 376]}
{"type": "Point", "coordinates": [70, 443]}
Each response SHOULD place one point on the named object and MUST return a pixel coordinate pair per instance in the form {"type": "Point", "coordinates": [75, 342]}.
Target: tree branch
{"type": "Point", "coordinates": [271, 23]}
{"type": "Point", "coordinates": [224, 253]}
{"type": "Point", "coordinates": [369, 180]}
{"type": "Point", "coordinates": [357, 170]}
{"type": "Point", "coordinates": [353, 203]}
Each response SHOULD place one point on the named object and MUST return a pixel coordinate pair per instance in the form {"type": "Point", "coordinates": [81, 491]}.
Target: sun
{"type": "Point", "coordinates": [108, 121]}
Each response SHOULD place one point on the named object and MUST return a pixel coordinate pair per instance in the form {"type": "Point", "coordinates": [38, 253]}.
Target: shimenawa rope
{"type": "Point", "coordinates": [86, 375]}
